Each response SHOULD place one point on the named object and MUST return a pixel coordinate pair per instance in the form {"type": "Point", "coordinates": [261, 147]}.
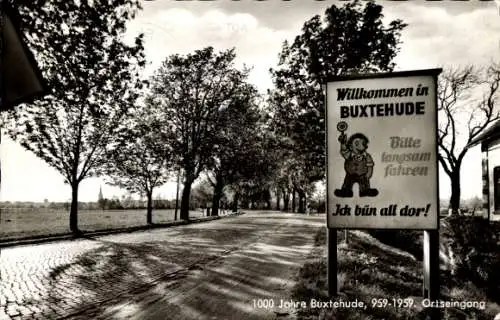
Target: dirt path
{"type": "Point", "coordinates": [230, 284]}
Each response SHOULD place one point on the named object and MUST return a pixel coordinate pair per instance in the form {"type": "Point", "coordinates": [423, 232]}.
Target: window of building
{"type": "Point", "coordinates": [496, 188]}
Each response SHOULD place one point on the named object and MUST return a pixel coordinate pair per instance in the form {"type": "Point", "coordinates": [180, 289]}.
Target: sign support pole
{"type": "Point", "coordinates": [332, 262]}
{"type": "Point", "coordinates": [431, 284]}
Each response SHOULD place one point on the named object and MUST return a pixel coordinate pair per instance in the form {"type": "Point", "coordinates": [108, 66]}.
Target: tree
{"type": "Point", "coordinates": [201, 194]}
{"type": "Point", "coordinates": [347, 39]}
{"type": "Point", "coordinates": [296, 182]}
{"type": "Point", "coordinates": [192, 90]}
{"type": "Point", "coordinates": [139, 160]}
{"type": "Point", "coordinates": [292, 177]}
{"type": "Point", "coordinates": [255, 165]}
{"type": "Point", "coordinates": [237, 143]}
{"type": "Point", "coordinates": [466, 106]}
{"type": "Point", "coordinates": [93, 75]}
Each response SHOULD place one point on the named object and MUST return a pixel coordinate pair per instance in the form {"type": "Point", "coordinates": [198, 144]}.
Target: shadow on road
{"type": "Point", "coordinates": [217, 270]}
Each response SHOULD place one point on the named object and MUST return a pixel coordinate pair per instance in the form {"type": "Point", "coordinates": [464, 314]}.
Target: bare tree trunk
{"type": "Point", "coordinates": [216, 198]}
{"type": "Point", "coordinates": [186, 192]}
{"type": "Point", "coordinates": [245, 203]}
{"type": "Point", "coordinates": [302, 204]}
{"type": "Point", "coordinates": [215, 205]}
{"type": "Point", "coordinates": [177, 194]}
{"type": "Point", "coordinates": [455, 192]}
{"type": "Point", "coordinates": [278, 198]}
{"type": "Point", "coordinates": [149, 208]}
{"type": "Point", "coordinates": [235, 202]}
{"type": "Point", "coordinates": [267, 195]}
{"type": "Point", "coordinates": [286, 201]}
{"type": "Point", "coordinates": [73, 213]}
{"type": "Point", "coordinates": [293, 200]}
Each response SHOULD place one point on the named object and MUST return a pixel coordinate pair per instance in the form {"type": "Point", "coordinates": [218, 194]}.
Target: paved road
{"type": "Point", "coordinates": [211, 270]}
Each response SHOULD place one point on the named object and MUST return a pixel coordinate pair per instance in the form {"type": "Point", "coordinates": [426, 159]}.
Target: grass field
{"type": "Point", "coordinates": [18, 224]}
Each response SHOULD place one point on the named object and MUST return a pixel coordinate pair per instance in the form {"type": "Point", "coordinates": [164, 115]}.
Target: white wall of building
{"type": "Point", "coordinates": [493, 161]}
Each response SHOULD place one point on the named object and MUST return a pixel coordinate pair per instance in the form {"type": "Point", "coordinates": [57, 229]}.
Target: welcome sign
{"type": "Point", "coordinates": [382, 162]}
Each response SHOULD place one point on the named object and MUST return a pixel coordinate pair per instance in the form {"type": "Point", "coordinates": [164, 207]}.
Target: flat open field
{"type": "Point", "coordinates": [17, 224]}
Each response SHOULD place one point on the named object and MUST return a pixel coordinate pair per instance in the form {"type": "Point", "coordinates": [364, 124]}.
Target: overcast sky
{"type": "Point", "coordinates": [440, 34]}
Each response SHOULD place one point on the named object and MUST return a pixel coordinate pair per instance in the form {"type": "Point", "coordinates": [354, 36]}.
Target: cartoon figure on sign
{"type": "Point", "coordinates": [358, 164]}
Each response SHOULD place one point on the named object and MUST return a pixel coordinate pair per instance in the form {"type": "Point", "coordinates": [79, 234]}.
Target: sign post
{"type": "Point", "coordinates": [431, 268]}
{"type": "Point", "coordinates": [332, 262]}
{"type": "Point", "coordinates": [382, 166]}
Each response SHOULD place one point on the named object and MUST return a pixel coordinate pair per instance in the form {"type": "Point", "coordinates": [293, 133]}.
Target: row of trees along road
{"type": "Point", "coordinates": [347, 39]}
{"type": "Point", "coordinates": [95, 80]}
{"type": "Point", "coordinates": [211, 123]}
{"type": "Point", "coordinates": [199, 106]}
{"type": "Point", "coordinates": [353, 39]}
{"type": "Point", "coordinates": [198, 114]}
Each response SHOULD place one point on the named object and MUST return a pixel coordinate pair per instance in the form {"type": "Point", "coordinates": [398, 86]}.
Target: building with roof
{"type": "Point", "coordinates": [20, 77]}
{"type": "Point", "coordinates": [489, 140]}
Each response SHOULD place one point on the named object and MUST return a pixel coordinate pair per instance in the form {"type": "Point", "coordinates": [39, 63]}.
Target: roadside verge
{"type": "Point", "coordinates": [11, 242]}
{"type": "Point", "coordinates": [384, 282]}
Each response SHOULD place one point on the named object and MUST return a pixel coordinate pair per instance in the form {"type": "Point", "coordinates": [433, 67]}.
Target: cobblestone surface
{"type": "Point", "coordinates": [60, 280]}
{"type": "Point", "coordinates": [31, 285]}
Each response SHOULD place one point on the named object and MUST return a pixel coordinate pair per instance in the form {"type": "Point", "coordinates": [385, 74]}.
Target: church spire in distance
{"type": "Point", "coordinates": [100, 197]}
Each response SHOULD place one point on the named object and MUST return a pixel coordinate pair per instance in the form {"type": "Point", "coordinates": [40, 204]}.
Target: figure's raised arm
{"type": "Point", "coordinates": [344, 151]}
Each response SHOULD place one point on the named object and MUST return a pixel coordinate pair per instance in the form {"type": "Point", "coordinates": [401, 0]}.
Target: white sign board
{"type": "Point", "coordinates": [382, 167]}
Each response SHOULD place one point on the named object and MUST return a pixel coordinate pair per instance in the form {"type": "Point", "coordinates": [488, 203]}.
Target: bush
{"type": "Point", "coordinates": [472, 243]}
{"type": "Point", "coordinates": [407, 240]}
{"type": "Point", "coordinates": [318, 206]}
{"type": "Point", "coordinates": [465, 233]}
